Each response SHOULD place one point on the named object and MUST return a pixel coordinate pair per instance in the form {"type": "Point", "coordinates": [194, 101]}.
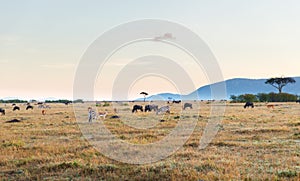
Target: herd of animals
{"type": "Point", "coordinates": [136, 108]}
{"type": "Point", "coordinates": [28, 107]}
{"type": "Point", "coordinates": [163, 109]}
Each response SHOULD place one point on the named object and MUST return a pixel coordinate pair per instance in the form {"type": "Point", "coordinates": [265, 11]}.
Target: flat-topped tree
{"type": "Point", "coordinates": [145, 94]}
{"type": "Point", "coordinates": [280, 82]}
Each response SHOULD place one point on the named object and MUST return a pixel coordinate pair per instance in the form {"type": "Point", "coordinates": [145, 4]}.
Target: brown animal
{"type": "Point", "coordinates": [102, 114]}
{"type": "Point", "coordinates": [43, 112]}
{"type": "Point", "coordinates": [270, 106]}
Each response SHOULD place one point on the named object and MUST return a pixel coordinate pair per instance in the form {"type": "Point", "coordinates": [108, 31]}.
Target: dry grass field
{"type": "Point", "coordinates": [252, 144]}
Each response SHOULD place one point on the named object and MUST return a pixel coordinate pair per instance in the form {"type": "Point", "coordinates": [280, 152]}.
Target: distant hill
{"type": "Point", "coordinates": [240, 86]}
{"type": "Point", "coordinates": [235, 86]}
{"type": "Point", "coordinates": [162, 96]}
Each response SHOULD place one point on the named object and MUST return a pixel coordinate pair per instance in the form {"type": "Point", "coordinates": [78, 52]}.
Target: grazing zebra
{"type": "Point", "coordinates": [164, 109]}
{"type": "Point", "coordinates": [44, 106]}
{"type": "Point", "coordinates": [47, 106]}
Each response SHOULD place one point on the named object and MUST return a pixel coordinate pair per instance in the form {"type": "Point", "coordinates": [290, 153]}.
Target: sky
{"type": "Point", "coordinates": [42, 42]}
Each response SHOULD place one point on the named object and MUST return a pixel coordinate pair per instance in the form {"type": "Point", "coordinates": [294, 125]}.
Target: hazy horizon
{"type": "Point", "coordinates": [138, 97]}
{"type": "Point", "coordinates": [42, 42]}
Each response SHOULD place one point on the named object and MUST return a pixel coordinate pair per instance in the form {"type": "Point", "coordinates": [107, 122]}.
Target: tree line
{"type": "Point", "coordinates": [278, 83]}
{"type": "Point", "coordinates": [265, 97]}
{"type": "Point", "coordinates": [12, 101]}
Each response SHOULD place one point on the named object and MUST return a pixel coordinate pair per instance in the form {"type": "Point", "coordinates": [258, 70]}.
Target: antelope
{"type": "Point", "coordinates": [102, 114]}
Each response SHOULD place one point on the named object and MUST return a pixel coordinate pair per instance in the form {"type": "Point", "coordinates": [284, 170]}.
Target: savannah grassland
{"type": "Point", "coordinates": [252, 144]}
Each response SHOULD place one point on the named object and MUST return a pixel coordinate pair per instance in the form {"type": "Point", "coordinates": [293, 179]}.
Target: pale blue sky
{"type": "Point", "coordinates": [41, 42]}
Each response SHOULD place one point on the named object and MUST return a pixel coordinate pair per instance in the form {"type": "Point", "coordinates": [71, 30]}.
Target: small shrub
{"type": "Point", "coordinates": [286, 173]}
{"type": "Point", "coordinates": [106, 104]}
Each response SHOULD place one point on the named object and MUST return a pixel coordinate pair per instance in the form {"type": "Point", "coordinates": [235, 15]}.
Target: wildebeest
{"type": "Point", "coordinates": [16, 108]}
{"type": "Point", "coordinates": [151, 107]}
{"type": "Point", "coordinates": [187, 105]}
{"type": "Point", "coordinates": [249, 104]}
{"type": "Point", "coordinates": [177, 102]}
{"type": "Point", "coordinates": [164, 109]}
{"type": "Point", "coordinates": [2, 111]}
{"type": "Point", "coordinates": [29, 107]}
{"type": "Point", "coordinates": [136, 108]}
{"type": "Point", "coordinates": [298, 101]}
{"type": "Point", "coordinates": [67, 102]}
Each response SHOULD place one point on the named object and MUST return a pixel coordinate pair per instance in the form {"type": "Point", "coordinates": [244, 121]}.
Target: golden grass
{"type": "Point", "coordinates": [252, 144]}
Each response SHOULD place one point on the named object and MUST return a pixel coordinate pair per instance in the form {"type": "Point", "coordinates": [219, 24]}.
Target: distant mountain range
{"type": "Point", "coordinates": [236, 86]}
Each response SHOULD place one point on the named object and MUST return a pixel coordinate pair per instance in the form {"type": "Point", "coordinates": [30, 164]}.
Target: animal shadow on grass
{"type": "Point", "coordinates": [13, 121]}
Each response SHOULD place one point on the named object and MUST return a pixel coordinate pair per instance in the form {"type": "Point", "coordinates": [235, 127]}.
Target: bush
{"type": "Point", "coordinates": [282, 97]}
{"type": "Point", "coordinates": [244, 98]}
{"type": "Point", "coordinates": [263, 97]}
{"type": "Point", "coordinates": [106, 104]}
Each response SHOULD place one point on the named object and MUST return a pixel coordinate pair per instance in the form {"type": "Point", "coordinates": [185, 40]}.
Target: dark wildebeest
{"type": "Point", "coordinates": [29, 107]}
{"type": "Point", "coordinates": [2, 111]}
{"type": "Point", "coordinates": [136, 108]}
{"type": "Point", "coordinates": [151, 107]}
{"type": "Point", "coordinates": [249, 104]}
{"type": "Point", "coordinates": [177, 102]}
{"type": "Point", "coordinates": [298, 101]}
{"type": "Point", "coordinates": [164, 109]}
{"type": "Point", "coordinates": [16, 108]}
{"type": "Point", "coordinates": [67, 102]}
{"type": "Point", "coordinates": [186, 105]}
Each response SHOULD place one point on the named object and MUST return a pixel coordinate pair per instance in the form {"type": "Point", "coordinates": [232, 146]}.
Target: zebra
{"type": "Point", "coordinates": [92, 114]}
{"type": "Point", "coordinates": [164, 109]}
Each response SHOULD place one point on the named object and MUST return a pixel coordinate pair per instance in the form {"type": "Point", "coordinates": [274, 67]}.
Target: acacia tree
{"type": "Point", "coordinates": [145, 94]}
{"type": "Point", "coordinates": [280, 82]}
